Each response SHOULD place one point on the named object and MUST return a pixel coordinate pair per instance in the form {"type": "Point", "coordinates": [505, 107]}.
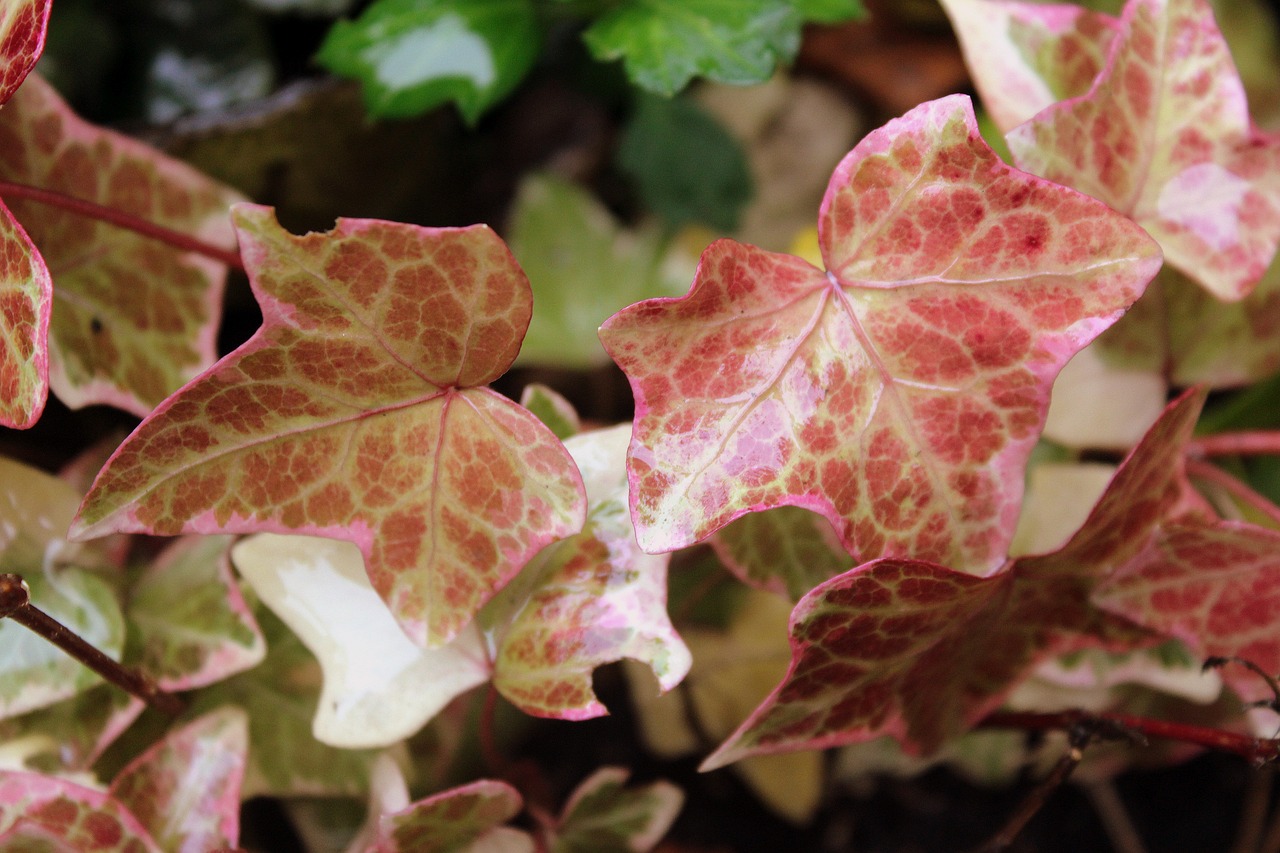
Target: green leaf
{"type": "Point", "coordinates": [412, 55]}
{"type": "Point", "coordinates": [583, 267]}
{"type": "Point", "coordinates": [664, 43]}
{"type": "Point", "coordinates": [687, 167]}
{"type": "Point", "coordinates": [830, 11]}
{"type": "Point", "coordinates": [604, 816]}
{"type": "Point", "coordinates": [69, 736]}
{"type": "Point", "coordinates": [552, 409]}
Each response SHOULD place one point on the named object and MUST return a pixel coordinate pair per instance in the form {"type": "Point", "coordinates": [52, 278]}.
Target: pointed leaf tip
{"type": "Point", "coordinates": [353, 413]}
{"type": "Point", "coordinates": [774, 383]}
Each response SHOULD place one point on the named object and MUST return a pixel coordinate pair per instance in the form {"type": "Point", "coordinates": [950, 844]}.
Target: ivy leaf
{"type": "Point", "coordinates": [830, 11]}
{"type": "Point", "coordinates": [582, 266]}
{"type": "Point", "coordinates": [22, 30]}
{"type": "Point", "coordinates": [26, 294]}
{"type": "Point", "coordinates": [1026, 56]}
{"type": "Point", "coordinates": [552, 409]}
{"type": "Point", "coordinates": [186, 788]}
{"type": "Point", "coordinates": [1164, 136]}
{"type": "Point", "coordinates": [191, 624]}
{"type": "Point", "coordinates": [921, 652]}
{"type": "Point", "coordinates": [664, 43]}
{"type": "Point", "coordinates": [595, 598]}
{"type": "Point", "coordinates": [379, 687]}
{"type": "Point", "coordinates": [134, 318]}
{"type": "Point", "coordinates": [604, 816]}
{"type": "Point", "coordinates": [69, 737]}
{"type": "Point", "coordinates": [57, 810]}
{"type": "Point", "coordinates": [774, 383]}
{"type": "Point", "coordinates": [467, 819]}
{"type": "Point", "coordinates": [787, 550]}
{"type": "Point", "coordinates": [356, 413]}
{"type": "Point", "coordinates": [412, 55]}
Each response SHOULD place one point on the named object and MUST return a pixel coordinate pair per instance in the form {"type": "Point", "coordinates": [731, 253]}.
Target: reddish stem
{"type": "Point", "coordinates": [1245, 443]}
{"type": "Point", "coordinates": [119, 218]}
{"type": "Point", "coordinates": [1259, 751]}
{"type": "Point", "coordinates": [1202, 470]}
{"type": "Point", "coordinates": [15, 603]}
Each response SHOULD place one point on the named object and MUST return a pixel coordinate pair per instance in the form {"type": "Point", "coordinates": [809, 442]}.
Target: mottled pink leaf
{"type": "Point", "coordinates": [356, 413]}
{"type": "Point", "coordinates": [1164, 136]}
{"type": "Point", "coordinates": [90, 821]}
{"type": "Point", "coordinates": [897, 394]}
{"type": "Point", "coordinates": [1025, 56]}
{"type": "Point", "coordinates": [603, 814]}
{"type": "Point", "coordinates": [26, 293]}
{"type": "Point", "coordinates": [921, 652]}
{"type": "Point", "coordinates": [787, 550]}
{"type": "Point", "coordinates": [190, 624]}
{"type": "Point", "coordinates": [593, 599]}
{"type": "Point", "coordinates": [133, 319]}
{"type": "Point", "coordinates": [454, 821]}
{"type": "Point", "coordinates": [22, 30]}
{"type": "Point", "coordinates": [186, 788]}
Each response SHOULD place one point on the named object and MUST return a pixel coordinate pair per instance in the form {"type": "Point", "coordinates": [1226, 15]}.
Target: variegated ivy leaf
{"type": "Point", "coordinates": [133, 318]}
{"type": "Point", "coordinates": [921, 652]}
{"type": "Point", "coordinates": [69, 737]}
{"type": "Point", "coordinates": [1026, 56]}
{"type": "Point", "coordinates": [26, 294]}
{"type": "Point", "coordinates": [190, 625]}
{"type": "Point", "coordinates": [604, 814]}
{"type": "Point", "coordinates": [280, 696]}
{"type": "Point", "coordinates": [1164, 136]}
{"type": "Point", "coordinates": [84, 819]}
{"type": "Point", "coordinates": [379, 686]}
{"type": "Point", "coordinates": [787, 550]}
{"type": "Point", "coordinates": [357, 412]}
{"type": "Point", "coordinates": [592, 599]}
{"type": "Point", "coordinates": [467, 819]}
{"type": "Point", "coordinates": [22, 30]}
{"type": "Point", "coordinates": [899, 392]}
{"type": "Point", "coordinates": [552, 409]}
{"type": "Point", "coordinates": [186, 789]}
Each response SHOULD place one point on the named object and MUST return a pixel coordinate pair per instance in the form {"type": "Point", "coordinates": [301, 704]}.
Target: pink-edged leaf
{"type": "Point", "coordinates": [604, 814]}
{"type": "Point", "coordinates": [458, 820]}
{"type": "Point", "coordinates": [90, 821]}
{"type": "Point", "coordinates": [26, 295]}
{"type": "Point", "coordinates": [70, 736]}
{"type": "Point", "coordinates": [1212, 585]}
{"type": "Point", "coordinates": [355, 412]}
{"type": "Point", "coordinates": [134, 318]}
{"type": "Point", "coordinates": [596, 598]}
{"type": "Point", "coordinates": [1164, 136]}
{"type": "Point", "coordinates": [787, 550]}
{"type": "Point", "coordinates": [897, 394]}
{"type": "Point", "coordinates": [28, 837]}
{"type": "Point", "coordinates": [186, 788]}
{"type": "Point", "coordinates": [22, 30]}
{"type": "Point", "coordinates": [1180, 330]}
{"type": "Point", "coordinates": [190, 624]}
{"type": "Point", "coordinates": [1024, 57]}
{"type": "Point", "coordinates": [919, 651]}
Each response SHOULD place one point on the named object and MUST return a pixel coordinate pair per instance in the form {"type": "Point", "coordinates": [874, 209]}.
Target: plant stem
{"type": "Point", "coordinates": [485, 731]}
{"type": "Point", "coordinates": [1246, 443]}
{"type": "Point", "coordinates": [119, 218]}
{"type": "Point", "coordinates": [1259, 751]}
{"type": "Point", "coordinates": [15, 603]}
{"type": "Point", "coordinates": [1037, 798]}
{"type": "Point", "coordinates": [1213, 474]}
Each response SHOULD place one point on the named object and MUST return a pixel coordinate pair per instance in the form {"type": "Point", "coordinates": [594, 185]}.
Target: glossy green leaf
{"type": "Point", "coordinates": [582, 266]}
{"type": "Point", "coordinates": [412, 55]}
{"type": "Point", "coordinates": [357, 412]}
{"type": "Point", "coordinates": [687, 168]}
{"type": "Point", "coordinates": [189, 623]}
{"type": "Point", "coordinates": [665, 43]}
{"type": "Point", "coordinates": [603, 815]}
{"type": "Point", "coordinates": [186, 789]}
{"type": "Point", "coordinates": [133, 318]}
{"type": "Point", "coordinates": [379, 687]}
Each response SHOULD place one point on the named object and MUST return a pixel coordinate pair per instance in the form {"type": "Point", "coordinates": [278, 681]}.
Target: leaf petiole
{"type": "Point", "coordinates": [15, 603]}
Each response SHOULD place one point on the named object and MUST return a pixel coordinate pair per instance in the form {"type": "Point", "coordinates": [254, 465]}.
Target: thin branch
{"type": "Point", "coordinates": [1244, 443]}
{"type": "Point", "coordinates": [1213, 474]}
{"type": "Point", "coordinates": [1115, 818]}
{"type": "Point", "coordinates": [1258, 751]}
{"type": "Point", "coordinates": [1034, 801]}
{"type": "Point", "coordinates": [119, 218]}
{"type": "Point", "coordinates": [15, 603]}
